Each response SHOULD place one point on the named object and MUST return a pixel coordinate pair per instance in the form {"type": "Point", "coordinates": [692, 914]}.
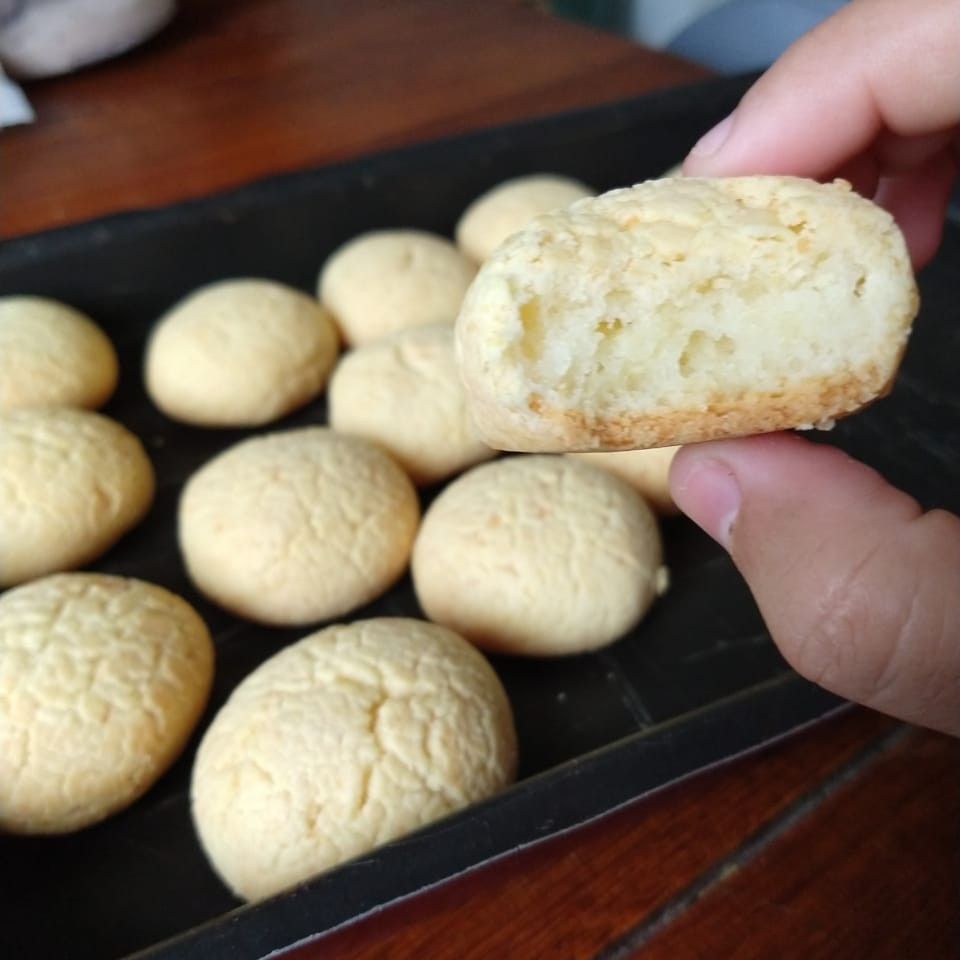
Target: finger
{"type": "Point", "coordinates": [917, 200]}
{"type": "Point", "coordinates": [859, 587]}
{"type": "Point", "coordinates": [902, 154]}
{"type": "Point", "coordinates": [889, 156]}
{"type": "Point", "coordinates": [875, 65]}
{"type": "Point", "coordinates": [862, 173]}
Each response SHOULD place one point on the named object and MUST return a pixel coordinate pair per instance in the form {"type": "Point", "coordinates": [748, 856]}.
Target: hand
{"type": "Point", "coordinates": [859, 587]}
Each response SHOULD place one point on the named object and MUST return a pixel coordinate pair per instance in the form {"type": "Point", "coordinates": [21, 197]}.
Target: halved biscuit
{"type": "Point", "coordinates": [685, 310]}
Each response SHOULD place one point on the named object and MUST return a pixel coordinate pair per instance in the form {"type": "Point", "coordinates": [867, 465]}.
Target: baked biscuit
{"type": "Point", "coordinates": [297, 526]}
{"type": "Point", "coordinates": [541, 556]}
{"type": "Point", "coordinates": [52, 356]}
{"type": "Point", "coordinates": [683, 310]}
{"type": "Point", "coordinates": [390, 280]}
{"type": "Point", "coordinates": [344, 741]}
{"type": "Point", "coordinates": [239, 353]}
{"type": "Point", "coordinates": [647, 471]}
{"type": "Point", "coordinates": [71, 484]}
{"type": "Point", "coordinates": [102, 680]}
{"type": "Point", "coordinates": [404, 393]}
{"type": "Point", "coordinates": [509, 207]}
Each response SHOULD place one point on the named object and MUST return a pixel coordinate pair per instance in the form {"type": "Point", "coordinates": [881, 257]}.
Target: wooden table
{"type": "Point", "coordinates": [842, 841]}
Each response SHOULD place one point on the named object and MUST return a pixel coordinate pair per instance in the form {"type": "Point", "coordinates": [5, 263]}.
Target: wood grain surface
{"type": "Point", "coordinates": [871, 872]}
{"type": "Point", "coordinates": [840, 842]}
{"type": "Point", "coordinates": [236, 89]}
{"type": "Point", "coordinates": [790, 853]}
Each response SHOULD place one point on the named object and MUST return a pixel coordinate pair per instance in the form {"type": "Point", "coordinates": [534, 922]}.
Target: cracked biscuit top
{"type": "Point", "coordinates": [239, 353]}
{"type": "Point", "coordinates": [343, 741]}
{"type": "Point", "coordinates": [102, 680]}
{"type": "Point", "coordinates": [538, 556]}
{"type": "Point", "coordinates": [510, 206]}
{"type": "Point", "coordinates": [52, 356]}
{"type": "Point", "coordinates": [297, 526]}
{"type": "Point", "coordinates": [403, 392]}
{"type": "Point", "coordinates": [71, 483]}
{"type": "Point", "coordinates": [390, 280]}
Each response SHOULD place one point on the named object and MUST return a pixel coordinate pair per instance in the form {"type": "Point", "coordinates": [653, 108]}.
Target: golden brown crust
{"type": "Point", "coordinates": [812, 403]}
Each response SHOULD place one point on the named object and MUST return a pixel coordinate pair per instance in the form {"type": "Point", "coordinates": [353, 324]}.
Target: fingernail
{"type": "Point", "coordinates": [710, 496]}
{"type": "Point", "coordinates": [713, 140]}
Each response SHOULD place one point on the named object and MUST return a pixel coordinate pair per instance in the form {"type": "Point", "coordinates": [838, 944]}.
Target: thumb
{"type": "Point", "coordinates": [859, 588]}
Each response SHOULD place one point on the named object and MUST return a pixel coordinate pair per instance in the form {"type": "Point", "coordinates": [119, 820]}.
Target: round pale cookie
{"type": "Point", "coordinates": [391, 280]}
{"type": "Point", "coordinates": [509, 207]}
{"type": "Point", "coordinates": [344, 741]}
{"type": "Point", "coordinates": [647, 471]}
{"type": "Point", "coordinates": [71, 484]}
{"type": "Point", "coordinates": [52, 356]}
{"type": "Point", "coordinates": [298, 526]}
{"type": "Point", "coordinates": [102, 680]}
{"type": "Point", "coordinates": [539, 555]}
{"type": "Point", "coordinates": [403, 392]}
{"type": "Point", "coordinates": [239, 353]}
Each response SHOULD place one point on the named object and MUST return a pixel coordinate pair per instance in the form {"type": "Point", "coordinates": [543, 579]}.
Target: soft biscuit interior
{"type": "Point", "coordinates": [678, 294]}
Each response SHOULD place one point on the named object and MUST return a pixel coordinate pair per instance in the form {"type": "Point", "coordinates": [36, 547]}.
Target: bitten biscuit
{"type": "Point", "coordinates": [404, 393]}
{"type": "Point", "coordinates": [102, 680]}
{"type": "Point", "coordinates": [509, 207]}
{"type": "Point", "coordinates": [239, 353]}
{"type": "Point", "coordinates": [391, 280]}
{"type": "Point", "coordinates": [344, 741]}
{"type": "Point", "coordinates": [298, 526]}
{"type": "Point", "coordinates": [683, 310]}
{"type": "Point", "coordinates": [52, 356]}
{"type": "Point", "coordinates": [647, 471]}
{"type": "Point", "coordinates": [71, 484]}
{"type": "Point", "coordinates": [541, 556]}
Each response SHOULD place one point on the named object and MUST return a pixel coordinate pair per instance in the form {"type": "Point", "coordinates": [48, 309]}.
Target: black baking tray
{"type": "Point", "coordinates": [698, 682]}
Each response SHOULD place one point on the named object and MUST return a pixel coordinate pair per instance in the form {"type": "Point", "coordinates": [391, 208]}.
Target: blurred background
{"type": "Point", "coordinates": [48, 37]}
{"type": "Point", "coordinates": [45, 38]}
{"type": "Point", "coordinates": [729, 36]}
{"type": "Point", "coordinates": [143, 102]}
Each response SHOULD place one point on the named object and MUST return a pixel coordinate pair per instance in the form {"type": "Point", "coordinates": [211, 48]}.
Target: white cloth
{"type": "Point", "coordinates": [42, 38]}
{"type": "Point", "coordinates": [15, 109]}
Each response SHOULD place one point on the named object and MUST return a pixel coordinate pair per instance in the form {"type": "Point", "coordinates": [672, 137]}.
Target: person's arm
{"type": "Point", "coordinates": [859, 587]}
